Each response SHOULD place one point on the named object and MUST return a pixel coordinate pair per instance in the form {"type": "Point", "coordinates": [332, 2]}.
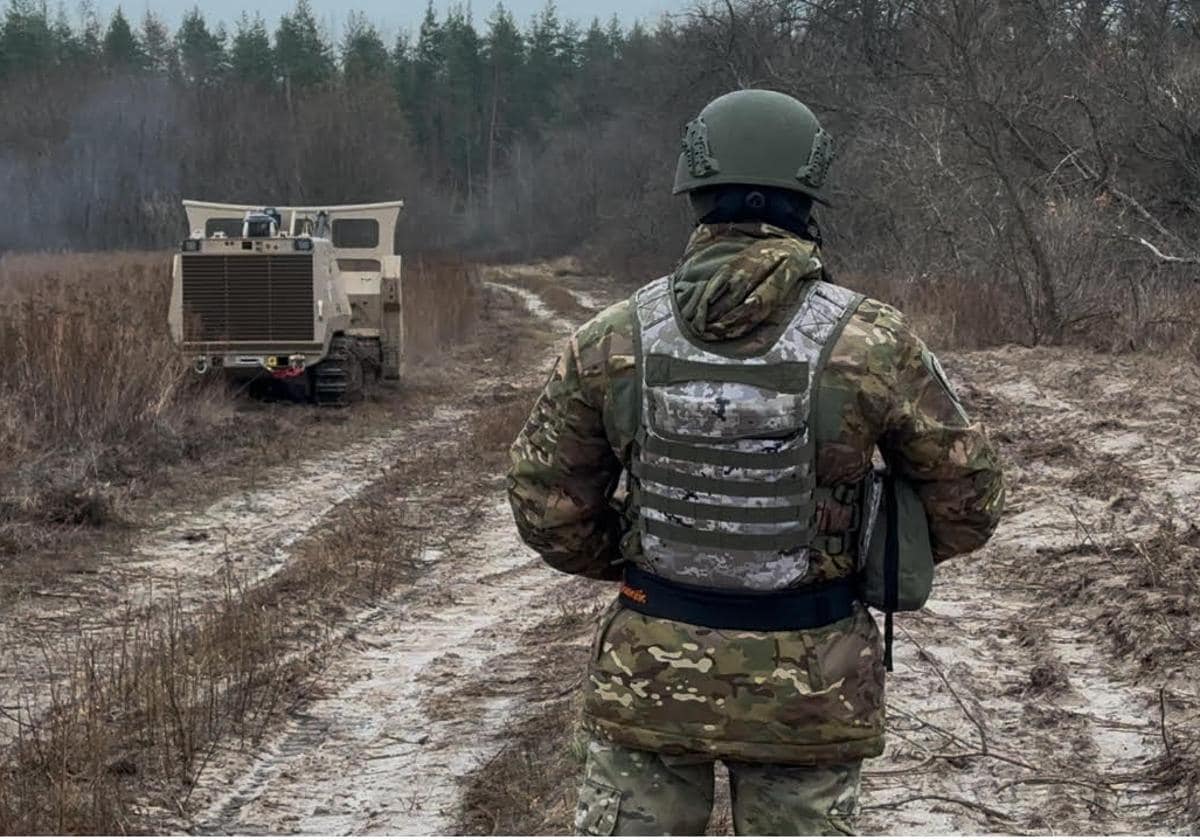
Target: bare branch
{"type": "Point", "coordinates": [1161, 257]}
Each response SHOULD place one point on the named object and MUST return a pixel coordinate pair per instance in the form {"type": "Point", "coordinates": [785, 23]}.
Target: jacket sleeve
{"type": "Point", "coordinates": [930, 440]}
{"type": "Point", "coordinates": [562, 476]}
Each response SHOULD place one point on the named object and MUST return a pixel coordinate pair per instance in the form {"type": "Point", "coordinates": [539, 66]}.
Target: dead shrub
{"type": "Point", "coordinates": [949, 313]}
{"type": "Point", "coordinates": [140, 710]}
{"type": "Point", "coordinates": [96, 390]}
{"type": "Point", "coordinates": [441, 299]}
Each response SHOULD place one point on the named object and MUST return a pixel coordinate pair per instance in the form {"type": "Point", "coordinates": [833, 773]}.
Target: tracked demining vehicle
{"type": "Point", "coordinates": [305, 298]}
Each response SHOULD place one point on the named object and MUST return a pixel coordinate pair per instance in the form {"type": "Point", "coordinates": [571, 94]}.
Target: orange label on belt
{"type": "Point", "coordinates": [636, 595]}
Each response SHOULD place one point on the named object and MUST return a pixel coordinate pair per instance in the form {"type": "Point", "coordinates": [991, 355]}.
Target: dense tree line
{"type": "Point", "coordinates": [1034, 158]}
{"type": "Point", "coordinates": [448, 115]}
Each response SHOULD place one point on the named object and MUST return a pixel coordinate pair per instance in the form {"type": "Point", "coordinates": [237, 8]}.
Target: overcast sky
{"type": "Point", "coordinates": [395, 15]}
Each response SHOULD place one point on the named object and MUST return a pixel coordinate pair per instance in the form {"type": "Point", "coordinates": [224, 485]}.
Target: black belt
{"type": "Point", "coordinates": [723, 609]}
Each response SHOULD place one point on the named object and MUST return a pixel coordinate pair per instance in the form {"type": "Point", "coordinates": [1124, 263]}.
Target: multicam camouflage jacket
{"type": "Point", "coordinates": [804, 696]}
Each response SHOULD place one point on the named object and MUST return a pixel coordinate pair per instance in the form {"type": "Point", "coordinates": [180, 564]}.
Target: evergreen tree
{"type": "Point", "coordinates": [364, 57]}
{"type": "Point", "coordinates": [428, 83]}
{"type": "Point", "coordinates": [402, 70]}
{"type": "Point", "coordinates": [28, 43]}
{"type": "Point", "coordinates": [595, 50]}
{"type": "Point", "coordinates": [616, 36]}
{"type": "Point", "coordinates": [543, 65]}
{"type": "Point", "coordinates": [251, 58]}
{"type": "Point", "coordinates": [201, 52]}
{"type": "Point", "coordinates": [91, 40]}
{"type": "Point", "coordinates": [463, 95]}
{"type": "Point", "coordinates": [597, 63]}
{"type": "Point", "coordinates": [160, 51]}
{"type": "Point", "coordinates": [303, 56]}
{"type": "Point", "coordinates": [122, 50]}
{"type": "Point", "coordinates": [567, 51]}
{"type": "Point", "coordinates": [504, 64]}
{"type": "Point", "coordinates": [68, 45]}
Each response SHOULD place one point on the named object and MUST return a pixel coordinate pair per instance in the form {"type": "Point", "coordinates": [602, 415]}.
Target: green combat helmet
{"type": "Point", "coordinates": [755, 137]}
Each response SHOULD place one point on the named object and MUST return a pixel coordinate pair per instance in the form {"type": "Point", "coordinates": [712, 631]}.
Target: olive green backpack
{"type": "Point", "coordinates": [895, 555]}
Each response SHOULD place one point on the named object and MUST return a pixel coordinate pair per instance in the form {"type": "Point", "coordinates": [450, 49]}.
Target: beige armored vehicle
{"type": "Point", "coordinates": [304, 297]}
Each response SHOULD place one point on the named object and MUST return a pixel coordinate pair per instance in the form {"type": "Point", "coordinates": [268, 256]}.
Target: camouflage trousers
{"type": "Point", "coordinates": [630, 792]}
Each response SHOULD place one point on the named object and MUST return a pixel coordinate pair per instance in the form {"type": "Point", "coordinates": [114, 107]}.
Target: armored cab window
{"type": "Point", "coordinates": [224, 227]}
{"type": "Point", "coordinates": [355, 233]}
{"type": "Point", "coordinates": [259, 225]}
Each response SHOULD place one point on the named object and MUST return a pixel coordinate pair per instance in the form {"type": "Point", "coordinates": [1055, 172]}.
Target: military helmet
{"type": "Point", "coordinates": [757, 137]}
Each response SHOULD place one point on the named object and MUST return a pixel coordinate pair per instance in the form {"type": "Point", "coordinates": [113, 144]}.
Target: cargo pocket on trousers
{"type": "Point", "coordinates": [596, 814]}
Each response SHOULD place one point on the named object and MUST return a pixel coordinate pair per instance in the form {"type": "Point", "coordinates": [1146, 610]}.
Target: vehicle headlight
{"type": "Point", "coordinates": [191, 244]}
{"type": "Point", "coordinates": [302, 244]}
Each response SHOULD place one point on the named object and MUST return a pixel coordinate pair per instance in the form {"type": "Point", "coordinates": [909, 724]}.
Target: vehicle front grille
{"type": "Point", "coordinates": [261, 297]}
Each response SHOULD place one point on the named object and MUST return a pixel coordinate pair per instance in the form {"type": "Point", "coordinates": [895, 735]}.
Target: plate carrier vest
{"type": "Point", "coordinates": [723, 477]}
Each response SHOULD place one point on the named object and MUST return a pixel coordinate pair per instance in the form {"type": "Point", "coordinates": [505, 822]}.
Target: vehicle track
{"type": "Point", "coordinates": [385, 751]}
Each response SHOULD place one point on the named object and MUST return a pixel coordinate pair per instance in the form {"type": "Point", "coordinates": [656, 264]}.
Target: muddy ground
{"type": "Point", "coordinates": [1048, 687]}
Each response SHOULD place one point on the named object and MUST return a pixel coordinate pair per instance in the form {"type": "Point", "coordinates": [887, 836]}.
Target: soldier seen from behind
{"type": "Point", "coordinates": [743, 398]}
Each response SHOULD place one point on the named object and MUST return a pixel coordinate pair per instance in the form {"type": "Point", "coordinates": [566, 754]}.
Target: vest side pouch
{"type": "Point", "coordinates": [914, 560]}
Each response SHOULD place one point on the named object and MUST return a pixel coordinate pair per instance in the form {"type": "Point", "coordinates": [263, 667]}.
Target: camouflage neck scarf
{"type": "Point", "coordinates": [734, 276]}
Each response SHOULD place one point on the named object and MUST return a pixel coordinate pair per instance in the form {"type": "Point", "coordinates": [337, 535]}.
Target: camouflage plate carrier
{"type": "Point", "coordinates": [724, 472]}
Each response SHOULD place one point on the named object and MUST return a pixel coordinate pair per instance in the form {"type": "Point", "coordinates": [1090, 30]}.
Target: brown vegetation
{"type": "Point", "coordinates": [95, 394]}
{"type": "Point", "coordinates": [98, 403]}
{"type": "Point", "coordinates": [442, 300]}
{"type": "Point", "coordinates": [136, 710]}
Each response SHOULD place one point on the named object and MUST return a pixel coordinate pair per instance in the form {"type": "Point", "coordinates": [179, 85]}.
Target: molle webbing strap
{"type": "Point", "coordinates": [678, 451]}
{"type": "Point", "coordinates": [783, 377]}
{"type": "Point", "coordinates": [721, 486]}
{"type": "Point", "coordinates": [776, 515]}
{"type": "Point", "coordinates": [783, 541]}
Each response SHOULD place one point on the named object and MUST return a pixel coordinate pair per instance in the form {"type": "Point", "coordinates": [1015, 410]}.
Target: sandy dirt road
{"type": "Point", "coordinates": [386, 750]}
{"type": "Point", "coordinates": [189, 556]}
